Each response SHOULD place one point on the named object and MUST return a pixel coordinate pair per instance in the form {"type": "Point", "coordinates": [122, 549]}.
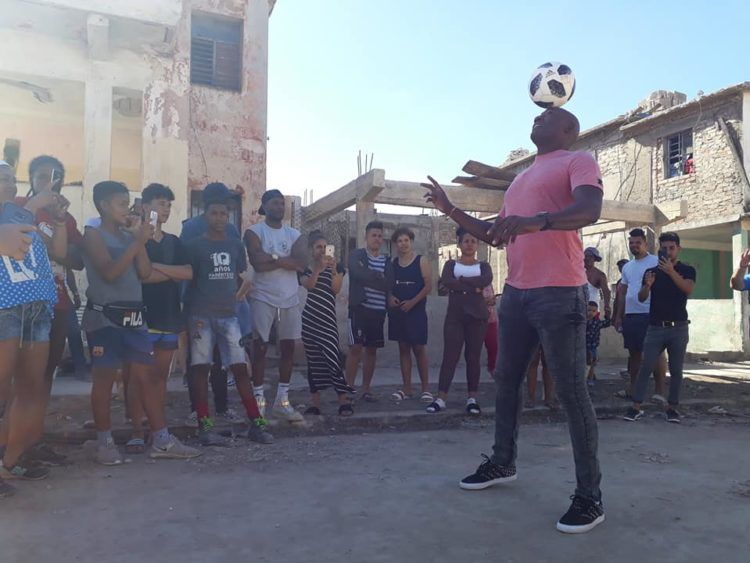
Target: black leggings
{"type": "Point", "coordinates": [461, 331]}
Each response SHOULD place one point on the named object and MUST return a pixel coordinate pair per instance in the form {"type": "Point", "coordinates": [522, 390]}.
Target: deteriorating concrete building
{"type": "Point", "coordinates": [170, 91]}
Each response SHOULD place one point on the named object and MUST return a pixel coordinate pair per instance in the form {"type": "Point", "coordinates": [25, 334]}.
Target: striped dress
{"type": "Point", "coordinates": [320, 336]}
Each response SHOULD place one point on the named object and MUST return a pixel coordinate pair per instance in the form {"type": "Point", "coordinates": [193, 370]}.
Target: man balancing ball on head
{"type": "Point", "coordinates": [544, 301]}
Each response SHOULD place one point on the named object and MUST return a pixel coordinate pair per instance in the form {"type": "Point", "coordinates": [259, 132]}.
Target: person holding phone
{"type": "Point", "coordinates": [669, 285]}
{"type": "Point", "coordinates": [64, 241]}
{"type": "Point", "coordinates": [407, 312]}
{"type": "Point", "coordinates": [320, 334]}
{"type": "Point", "coordinates": [27, 297]}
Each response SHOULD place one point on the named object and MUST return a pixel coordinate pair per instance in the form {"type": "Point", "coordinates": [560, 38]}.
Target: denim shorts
{"type": "Point", "coordinates": [634, 329]}
{"type": "Point", "coordinates": [163, 340]}
{"type": "Point", "coordinates": [112, 346]}
{"type": "Point", "coordinates": [30, 322]}
{"type": "Point", "coordinates": [224, 332]}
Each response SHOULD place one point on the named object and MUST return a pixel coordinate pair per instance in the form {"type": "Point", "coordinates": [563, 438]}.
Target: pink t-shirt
{"type": "Point", "coordinates": [548, 258]}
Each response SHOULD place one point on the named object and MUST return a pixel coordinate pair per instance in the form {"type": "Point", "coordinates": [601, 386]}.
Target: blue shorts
{"type": "Point", "coordinates": [634, 329]}
{"type": "Point", "coordinates": [163, 340]}
{"type": "Point", "coordinates": [112, 347]}
{"type": "Point", "coordinates": [30, 322]}
{"type": "Point", "coordinates": [206, 332]}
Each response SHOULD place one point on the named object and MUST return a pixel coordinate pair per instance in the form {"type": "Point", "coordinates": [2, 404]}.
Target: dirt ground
{"type": "Point", "coordinates": [671, 493]}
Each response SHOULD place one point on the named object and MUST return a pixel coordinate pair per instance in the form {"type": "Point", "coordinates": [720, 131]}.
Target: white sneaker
{"type": "Point", "coordinates": [173, 450]}
{"type": "Point", "coordinates": [108, 455]}
{"type": "Point", "coordinates": [231, 417]}
{"type": "Point", "coordinates": [284, 410]}
{"type": "Point", "coordinates": [261, 400]}
{"type": "Point", "coordinates": [192, 420]}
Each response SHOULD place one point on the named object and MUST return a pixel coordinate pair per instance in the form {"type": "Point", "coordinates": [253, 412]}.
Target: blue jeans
{"type": "Point", "coordinates": [556, 318]}
{"type": "Point", "coordinates": [672, 339]}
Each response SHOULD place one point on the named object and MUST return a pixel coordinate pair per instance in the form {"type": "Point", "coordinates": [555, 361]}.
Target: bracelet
{"type": "Point", "coordinates": [451, 212]}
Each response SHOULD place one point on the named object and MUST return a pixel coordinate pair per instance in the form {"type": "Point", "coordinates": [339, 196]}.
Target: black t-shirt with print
{"type": "Point", "coordinates": [162, 300]}
{"type": "Point", "coordinates": [216, 265]}
{"type": "Point", "coordinates": [668, 302]}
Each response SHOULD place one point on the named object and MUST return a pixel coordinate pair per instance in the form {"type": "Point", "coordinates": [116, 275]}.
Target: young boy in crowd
{"type": "Point", "coordinates": [594, 326]}
{"type": "Point", "coordinates": [116, 263]}
{"type": "Point", "coordinates": [217, 263]}
{"type": "Point", "coordinates": [161, 298]}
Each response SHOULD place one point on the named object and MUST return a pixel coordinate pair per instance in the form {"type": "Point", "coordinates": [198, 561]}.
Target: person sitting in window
{"type": "Point", "coordinates": [689, 165]}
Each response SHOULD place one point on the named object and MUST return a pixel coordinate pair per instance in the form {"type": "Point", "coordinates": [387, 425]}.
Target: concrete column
{"type": "Point", "coordinates": [365, 211]}
{"type": "Point", "coordinates": [97, 139]}
{"type": "Point", "coordinates": [740, 242]}
{"type": "Point", "coordinates": [745, 142]}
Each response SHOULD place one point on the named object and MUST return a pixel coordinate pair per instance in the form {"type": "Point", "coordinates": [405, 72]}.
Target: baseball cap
{"type": "Point", "coordinates": [216, 192]}
{"type": "Point", "coordinates": [268, 196]}
{"type": "Point", "coordinates": [594, 252]}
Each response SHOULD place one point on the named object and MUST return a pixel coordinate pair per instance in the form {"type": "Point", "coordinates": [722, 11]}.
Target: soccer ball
{"type": "Point", "coordinates": [552, 85]}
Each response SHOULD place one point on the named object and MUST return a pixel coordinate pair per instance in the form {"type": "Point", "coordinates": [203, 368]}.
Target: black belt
{"type": "Point", "coordinates": [463, 292]}
{"type": "Point", "coordinates": [669, 324]}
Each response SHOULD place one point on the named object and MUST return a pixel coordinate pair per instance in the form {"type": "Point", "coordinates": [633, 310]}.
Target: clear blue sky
{"type": "Point", "coordinates": [427, 85]}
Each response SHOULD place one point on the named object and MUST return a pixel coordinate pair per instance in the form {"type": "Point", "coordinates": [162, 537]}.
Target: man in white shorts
{"type": "Point", "coordinates": [278, 253]}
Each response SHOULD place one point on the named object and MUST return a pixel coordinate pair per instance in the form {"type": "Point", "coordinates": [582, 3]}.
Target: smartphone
{"type": "Point", "coordinates": [137, 207]}
{"type": "Point", "coordinates": [16, 214]}
{"type": "Point", "coordinates": [663, 254]}
{"type": "Point", "coordinates": [153, 218]}
{"type": "Point", "coordinates": [55, 180]}
{"type": "Point", "coordinates": [330, 250]}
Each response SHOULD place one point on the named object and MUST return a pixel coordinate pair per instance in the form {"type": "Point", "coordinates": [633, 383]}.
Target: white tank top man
{"type": "Point", "coordinates": [277, 253]}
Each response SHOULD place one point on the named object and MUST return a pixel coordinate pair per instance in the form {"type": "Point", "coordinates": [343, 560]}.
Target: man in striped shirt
{"type": "Point", "coordinates": [370, 280]}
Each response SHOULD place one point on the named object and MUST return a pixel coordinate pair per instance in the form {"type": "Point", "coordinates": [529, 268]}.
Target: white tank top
{"type": "Point", "coordinates": [278, 288]}
{"type": "Point", "coordinates": [464, 271]}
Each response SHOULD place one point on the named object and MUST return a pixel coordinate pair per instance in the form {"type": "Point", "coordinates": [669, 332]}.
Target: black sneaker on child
{"type": "Point", "coordinates": [582, 516]}
{"type": "Point", "coordinates": [486, 475]}
{"type": "Point", "coordinates": [633, 414]}
{"type": "Point", "coordinates": [673, 415]}
{"type": "Point", "coordinates": [473, 409]}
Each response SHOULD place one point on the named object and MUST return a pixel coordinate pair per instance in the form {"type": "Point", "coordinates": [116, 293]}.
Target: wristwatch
{"type": "Point", "coordinates": [544, 215]}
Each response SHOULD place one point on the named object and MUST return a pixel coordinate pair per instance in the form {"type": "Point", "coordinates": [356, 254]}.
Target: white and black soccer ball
{"type": "Point", "coordinates": [552, 85]}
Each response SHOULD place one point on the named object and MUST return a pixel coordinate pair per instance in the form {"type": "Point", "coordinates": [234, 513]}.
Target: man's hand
{"type": "Point", "coordinates": [144, 232]}
{"type": "Point", "coordinates": [45, 199]}
{"type": "Point", "coordinates": [745, 260]}
{"type": "Point", "coordinates": [649, 279]}
{"type": "Point", "coordinates": [505, 229]}
{"type": "Point", "coordinates": [76, 300]}
{"type": "Point", "coordinates": [407, 305]}
{"type": "Point", "coordinates": [393, 302]}
{"type": "Point", "coordinates": [617, 323]}
{"type": "Point", "coordinates": [436, 196]}
{"type": "Point", "coordinates": [666, 266]}
{"type": "Point", "coordinates": [329, 262]}
{"type": "Point", "coordinates": [14, 240]}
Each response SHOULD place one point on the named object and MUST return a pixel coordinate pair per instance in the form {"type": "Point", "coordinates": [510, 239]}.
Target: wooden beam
{"type": "Point", "coordinates": [604, 227]}
{"type": "Point", "coordinates": [344, 197]}
{"type": "Point", "coordinates": [706, 245]}
{"type": "Point", "coordinates": [627, 211]}
{"type": "Point", "coordinates": [480, 169]}
{"type": "Point", "coordinates": [481, 182]}
{"type": "Point", "coordinates": [398, 192]}
{"type": "Point", "coordinates": [671, 211]}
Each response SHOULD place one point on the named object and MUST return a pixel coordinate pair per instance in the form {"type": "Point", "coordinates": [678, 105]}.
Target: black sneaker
{"type": "Point", "coordinates": [633, 414]}
{"type": "Point", "coordinates": [486, 475]}
{"type": "Point", "coordinates": [673, 415]}
{"type": "Point", "coordinates": [45, 455]}
{"type": "Point", "coordinates": [473, 409]}
{"type": "Point", "coordinates": [6, 490]}
{"type": "Point", "coordinates": [24, 472]}
{"type": "Point", "coordinates": [582, 516]}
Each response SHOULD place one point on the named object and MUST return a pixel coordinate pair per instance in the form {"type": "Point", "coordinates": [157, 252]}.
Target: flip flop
{"type": "Point", "coordinates": [346, 410]}
{"type": "Point", "coordinates": [370, 398]}
{"type": "Point", "coordinates": [135, 446]}
{"type": "Point", "coordinates": [399, 396]}
{"type": "Point", "coordinates": [313, 411]}
{"type": "Point", "coordinates": [426, 397]}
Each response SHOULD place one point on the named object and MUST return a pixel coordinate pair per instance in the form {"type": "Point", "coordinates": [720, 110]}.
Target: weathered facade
{"type": "Point", "coordinates": [111, 88]}
{"type": "Point", "coordinates": [668, 150]}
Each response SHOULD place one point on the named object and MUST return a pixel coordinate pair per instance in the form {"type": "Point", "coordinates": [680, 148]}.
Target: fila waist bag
{"type": "Point", "coordinates": [126, 314]}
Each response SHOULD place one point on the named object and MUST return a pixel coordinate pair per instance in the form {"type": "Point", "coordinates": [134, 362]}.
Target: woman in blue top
{"type": "Point", "coordinates": [407, 312]}
{"type": "Point", "coordinates": [27, 296]}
